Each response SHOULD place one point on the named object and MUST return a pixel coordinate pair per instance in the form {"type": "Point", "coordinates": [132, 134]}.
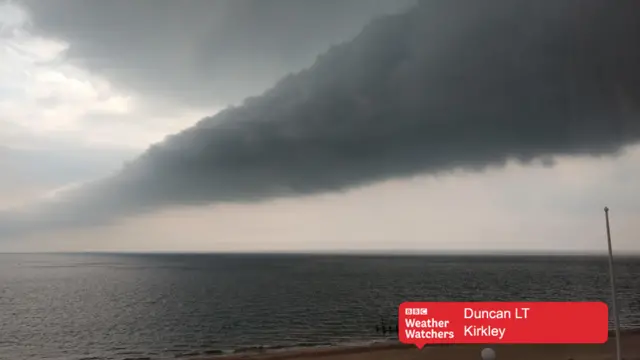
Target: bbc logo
{"type": "Point", "coordinates": [416, 311]}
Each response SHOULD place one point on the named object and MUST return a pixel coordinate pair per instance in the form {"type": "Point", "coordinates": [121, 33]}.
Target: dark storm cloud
{"type": "Point", "coordinates": [455, 84]}
{"type": "Point", "coordinates": [202, 52]}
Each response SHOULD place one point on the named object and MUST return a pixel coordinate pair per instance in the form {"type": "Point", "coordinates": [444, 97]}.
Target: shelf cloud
{"type": "Point", "coordinates": [461, 84]}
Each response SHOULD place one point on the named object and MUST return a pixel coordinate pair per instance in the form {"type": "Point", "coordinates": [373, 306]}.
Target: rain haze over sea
{"type": "Point", "coordinates": [159, 306]}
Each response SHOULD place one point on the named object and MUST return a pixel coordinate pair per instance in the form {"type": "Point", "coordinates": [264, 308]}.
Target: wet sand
{"type": "Point", "coordinates": [630, 351]}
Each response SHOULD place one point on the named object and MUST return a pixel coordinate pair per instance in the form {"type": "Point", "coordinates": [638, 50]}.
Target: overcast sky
{"type": "Point", "coordinates": [295, 125]}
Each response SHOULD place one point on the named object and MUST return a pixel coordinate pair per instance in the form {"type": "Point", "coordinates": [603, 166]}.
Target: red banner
{"type": "Point", "coordinates": [423, 323]}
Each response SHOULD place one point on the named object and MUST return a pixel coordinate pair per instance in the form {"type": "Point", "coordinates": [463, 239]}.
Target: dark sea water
{"type": "Point", "coordinates": [104, 306]}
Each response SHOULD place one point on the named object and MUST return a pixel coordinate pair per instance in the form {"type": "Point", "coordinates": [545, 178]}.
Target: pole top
{"type": "Point", "coordinates": [606, 209]}
{"type": "Point", "coordinates": [488, 354]}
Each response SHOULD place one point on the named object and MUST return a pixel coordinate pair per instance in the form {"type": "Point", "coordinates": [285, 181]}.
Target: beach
{"type": "Point", "coordinates": [630, 342]}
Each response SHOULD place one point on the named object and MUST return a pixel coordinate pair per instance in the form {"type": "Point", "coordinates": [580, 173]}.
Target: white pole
{"type": "Point", "coordinates": [614, 297]}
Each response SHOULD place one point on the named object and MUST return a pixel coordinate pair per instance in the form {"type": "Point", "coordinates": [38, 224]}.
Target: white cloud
{"type": "Point", "coordinates": [54, 109]}
{"type": "Point", "coordinates": [48, 96]}
{"type": "Point", "coordinates": [45, 95]}
{"type": "Point", "coordinates": [12, 17]}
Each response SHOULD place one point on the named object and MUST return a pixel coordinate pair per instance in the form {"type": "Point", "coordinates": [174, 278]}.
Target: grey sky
{"type": "Point", "coordinates": [202, 52]}
{"type": "Point", "coordinates": [439, 88]}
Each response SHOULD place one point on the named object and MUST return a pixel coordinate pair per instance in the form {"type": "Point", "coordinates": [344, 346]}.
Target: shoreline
{"type": "Point", "coordinates": [393, 349]}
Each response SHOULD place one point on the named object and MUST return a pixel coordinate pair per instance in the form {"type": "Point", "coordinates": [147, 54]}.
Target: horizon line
{"type": "Point", "coordinates": [390, 253]}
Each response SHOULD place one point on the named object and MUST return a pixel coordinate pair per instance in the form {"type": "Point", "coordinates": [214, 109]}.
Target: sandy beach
{"type": "Point", "coordinates": [630, 344]}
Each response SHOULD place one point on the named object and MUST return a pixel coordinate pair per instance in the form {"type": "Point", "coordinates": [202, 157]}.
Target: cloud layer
{"type": "Point", "coordinates": [461, 84]}
{"type": "Point", "coordinates": [205, 54]}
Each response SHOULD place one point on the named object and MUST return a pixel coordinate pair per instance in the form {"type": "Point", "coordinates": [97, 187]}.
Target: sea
{"type": "Point", "coordinates": [167, 306]}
